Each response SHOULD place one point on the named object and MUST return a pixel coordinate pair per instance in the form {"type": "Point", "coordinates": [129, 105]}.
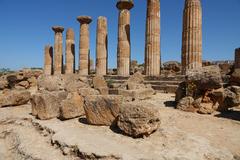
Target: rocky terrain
{"type": "Point", "coordinates": [74, 117]}
{"type": "Point", "coordinates": [182, 135]}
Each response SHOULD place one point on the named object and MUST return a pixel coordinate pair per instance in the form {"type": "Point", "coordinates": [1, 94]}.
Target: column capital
{"type": "Point", "coordinates": [57, 29]}
{"type": "Point", "coordinates": [84, 19]}
{"type": "Point", "coordinates": [125, 4]}
{"type": "Point", "coordinates": [237, 50]}
{"type": "Point", "coordinates": [102, 18]}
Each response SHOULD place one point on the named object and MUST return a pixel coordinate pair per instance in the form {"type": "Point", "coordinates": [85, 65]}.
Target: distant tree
{"type": "Point", "coordinates": [4, 70]}
{"type": "Point", "coordinates": [36, 68]}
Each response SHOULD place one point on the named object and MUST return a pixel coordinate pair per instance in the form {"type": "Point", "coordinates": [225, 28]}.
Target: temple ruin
{"type": "Point", "coordinates": [58, 49]}
{"type": "Point", "coordinates": [84, 49]}
{"type": "Point", "coordinates": [70, 52]}
{"type": "Point", "coordinates": [152, 42]}
{"type": "Point", "coordinates": [192, 36]}
{"type": "Point", "coordinates": [102, 46]}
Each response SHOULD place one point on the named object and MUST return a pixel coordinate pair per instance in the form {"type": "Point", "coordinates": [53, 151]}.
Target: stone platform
{"type": "Point", "coordinates": [159, 84]}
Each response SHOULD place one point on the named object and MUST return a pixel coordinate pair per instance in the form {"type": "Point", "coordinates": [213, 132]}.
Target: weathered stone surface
{"type": "Point", "coordinates": [152, 42]}
{"type": "Point", "coordinates": [3, 84]}
{"type": "Point", "coordinates": [69, 82]}
{"type": "Point", "coordinates": [46, 105]}
{"type": "Point", "coordinates": [138, 119]}
{"type": "Point", "coordinates": [230, 100]}
{"type": "Point", "coordinates": [32, 81]}
{"type": "Point", "coordinates": [186, 104]}
{"type": "Point", "coordinates": [181, 136]}
{"type": "Point", "coordinates": [14, 98]}
{"type": "Point", "coordinates": [84, 48]}
{"type": "Point", "coordinates": [102, 46]}
{"type": "Point", "coordinates": [73, 82]}
{"type": "Point", "coordinates": [123, 49]}
{"type": "Point", "coordinates": [12, 80]}
{"type": "Point", "coordinates": [58, 49]}
{"type": "Point", "coordinates": [100, 84]}
{"type": "Point", "coordinates": [136, 77]}
{"type": "Point", "coordinates": [205, 78]}
{"type": "Point", "coordinates": [136, 81]}
{"type": "Point", "coordinates": [180, 92]}
{"type": "Point", "coordinates": [51, 83]}
{"type": "Point", "coordinates": [172, 66]}
{"type": "Point", "coordinates": [24, 84]}
{"type": "Point", "coordinates": [102, 109]}
{"type": "Point", "coordinates": [70, 52]}
{"type": "Point", "coordinates": [72, 107]}
{"type": "Point", "coordinates": [192, 36]}
{"type": "Point", "coordinates": [48, 60]}
{"type": "Point", "coordinates": [87, 92]}
{"type": "Point", "coordinates": [204, 88]}
{"type": "Point", "coordinates": [137, 94]}
{"type": "Point", "coordinates": [235, 77]}
{"type": "Point", "coordinates": [206, 108]}
{"type": "Point", "coordinates": [135, 88]}
{"type": "Point", "coordinates": [236, 90]}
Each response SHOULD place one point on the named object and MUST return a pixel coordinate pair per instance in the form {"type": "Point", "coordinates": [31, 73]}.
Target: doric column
{"type": "Point", "coordinates": [48, 60]}
{"type": "Point", "coordinates": [84, 49]}
{"type": "Point", "coordinates": [152, 42]}
{"type": "Point", "coordinates": [102, 46]}
{"type": "Point", "coordinates": [58, 50]}
{"type": "Point", "coordinates": [70, 52]}
{"type": "Point", "coordinates": [192, 36]}
{"type": "Point", "coordinates": [237, 58]}
{"type": "Point", "coordinates": [124, 45]}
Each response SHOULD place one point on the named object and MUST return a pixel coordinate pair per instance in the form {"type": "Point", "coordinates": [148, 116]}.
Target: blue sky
{"type": "Point", "coordinates": [25, 28]}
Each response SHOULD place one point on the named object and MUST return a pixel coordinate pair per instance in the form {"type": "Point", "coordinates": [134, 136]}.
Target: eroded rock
{"type": "Point", "coordinates": [137, 94]}
{"type": "Point", "coordinates": [72, 106]}
{"type": "Point", "coordinates": [203, 79]}
{"type": "Point", "coordinates": [138, 119]}
{"type": "Point", "coordinates": [100, 84]}
{"type": "Point", "coordinates": [87, 92]}
{"type": "Point", "coordinates": [186, 104]}
{"type": "Point", "coordinates": [235, 77]}
{"type": "Point", "coordinates": [14, 98]}
{"type": "Point", "coordinates": [102, 109]}
{"type": "Point", "coordinates": [46, 105]}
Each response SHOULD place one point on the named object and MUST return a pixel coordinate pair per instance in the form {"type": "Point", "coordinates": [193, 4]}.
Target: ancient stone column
{"type": "Point", "coordinates": [152, 42]}
{"type": "Point", "coordinates": [124, 48]}
{"type": "Point", "coordinates": [237, 58]}
{"type": "Point", "coordinates": [192, 36]}
{"type": "Point", "coordinates": [58, 50]}
{"type": "Point", "coordinates": [84, 49]}
{"type": "Point", "coordinates": [48, 60]}
{"type": "Point", "coordinates": [70, 52]}
{"type": "Point", "coordinates": [102, 46]}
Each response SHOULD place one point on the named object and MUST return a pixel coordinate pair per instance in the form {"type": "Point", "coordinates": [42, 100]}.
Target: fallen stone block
{"type": "Point", "coordinates": [138, 119]}
{"type": "Point", "coordinates": [138, 94]}
{"type": "Point", "coordinates": [72, 107]}
{"type": "Point", "coordinates": [102, 109]}
{"type": "Point", "coordinates": [46, 105]}
{"type": "Point", "coordinates": [14, 98]}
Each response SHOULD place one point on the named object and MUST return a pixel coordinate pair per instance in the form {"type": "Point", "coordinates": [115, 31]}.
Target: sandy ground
{"type": "Point", "coordinates": [182, 136]}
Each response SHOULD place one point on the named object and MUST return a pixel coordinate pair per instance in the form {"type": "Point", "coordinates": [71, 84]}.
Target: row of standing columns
{"type": "Point", "coordinates": [191, 42]}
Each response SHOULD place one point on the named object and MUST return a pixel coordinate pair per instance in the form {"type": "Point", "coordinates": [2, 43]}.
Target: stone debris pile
{"type": "Point", "coordinates": [203, 91]}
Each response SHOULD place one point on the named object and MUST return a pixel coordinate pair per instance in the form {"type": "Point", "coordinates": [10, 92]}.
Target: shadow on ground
{"type": "Point", "coordinates": [83, 120]}
{"type": "Point", "coordinates": [234, 115]}
{"type": "Point", "coordinates": [170, 104]}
